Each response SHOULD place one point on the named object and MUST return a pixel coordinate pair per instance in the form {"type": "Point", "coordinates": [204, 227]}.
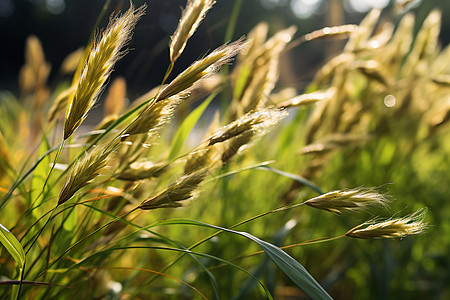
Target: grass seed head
{"type": "Point", "coordinates": [84, 172]}
{"type": "Point", "coordinates": [348, 200]}
{"type": "Point", "coordinates": [203, 158]}
{"type": "Point", "coordinates": [103, 54]}
{"type": "Point", "coordinates": [153, 117]}
{"type": "Point", "coordinates": [184, 189]}
{"type": "Point", "coordinates": [256, 122]}
{"type": "Point", "coordinates": [202, 68]}
{"type": "Point", "coordinates": [393, 228]}
{"type": "Point", "coordinates": [192, 15]}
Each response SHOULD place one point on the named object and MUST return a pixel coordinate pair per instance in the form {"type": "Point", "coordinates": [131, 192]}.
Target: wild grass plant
{"type": "Point", "coordinates": [131, 210]}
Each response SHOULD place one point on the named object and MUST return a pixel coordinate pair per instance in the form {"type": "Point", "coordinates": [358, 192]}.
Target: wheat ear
{"type": "Point", "coordinates": [104, 53]}
{"type": "Point", "coordinates": [191, 17]}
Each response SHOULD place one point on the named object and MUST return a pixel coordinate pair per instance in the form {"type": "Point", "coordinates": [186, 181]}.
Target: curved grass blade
{"type": "Point", "coordinates": [12, 245]}
{"type": "Point", "coordinates": [168, 241]}
{"type": "Point", "coordinates": [292, 268]}
{"type": "Point", "coordinates": [102, 252]}
{"type": "Point", "coordinates": [14, 248]}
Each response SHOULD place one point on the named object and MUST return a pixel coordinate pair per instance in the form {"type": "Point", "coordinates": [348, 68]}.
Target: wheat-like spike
{"type": "Point", "coordinates": [202, 68]}
{"type": "Point", "coordinates": [364, 31]}
{"type": "Point", "coordinates": [102, 57]}
{"type": "Point", "coordinates": [256, 121]}
{"type": "Point", "coordinates": [338, 32]}
{"type": "Point", "coordinates": [199, 159]}
{"type": "Point", "coordinates": [153, 117]}
{"type": "Point", "coordinates": [347, 200]}
{"type": "Point", "coordinates": [393, 228]}
{"type": "Point", "coordinates": [84, 172]}
{"type": "Point", "coordinates": [192, 15]}
{"type": "Point", "coordinates": [182, 190]}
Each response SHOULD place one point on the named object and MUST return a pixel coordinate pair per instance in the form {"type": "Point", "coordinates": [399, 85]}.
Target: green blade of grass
{"type": "Point", "coordinates": [14, 248]}
{"type": "Point", "coordinates": [187, 126]}
{"type": "Point", "coordinates": [102, 252]}
{"type": "Point", "coordinates": [12, 245]}
{"type": "Point", "coordinates": [292, 268]}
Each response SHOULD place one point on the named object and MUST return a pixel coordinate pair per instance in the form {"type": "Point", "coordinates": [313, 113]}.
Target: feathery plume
{"type": "Point", "coordinates": [192, 15]}
{"type": "Point", "coordinates": [152, 117]}
{"type": "Point", "coordinates": [84, 172]}
{"type": "Point", "coordinates": [182, 190]}
{"type": "Point", "coordinates": [347, 200]}
{"type": "Point", "coordinates": [254, 122]}
{"type": "Point", "coordinates": [202, 68]}
{"type": "Point", "coordinates": [102, 57]}
{"type": "Point", "coordinates": [394, 228]}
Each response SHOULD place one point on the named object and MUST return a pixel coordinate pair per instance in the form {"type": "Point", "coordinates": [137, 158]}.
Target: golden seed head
{"type": "Point", "coordinates": [155, 115]}
{"type": "Point", "coordinates": [348, 200]}
{"type": "Point", "coordinates": [393, 228]}
{"type": "Point", "coordinates": [101, 59]}
{"type": "Point", "coordinates": [256, 121]}
{"type": "Point", "coordinates": [84, 172]}
{"type": "Point", "coordinates": [184, 189]}
{"type": "Point", "coordinates": [342, 31]}
{"type": "Point", "coordinates": [237, 144]}
{"type": "Point", "coordinates": [200, 159]}
{"type": "Point", "coordinates": [202, 68]}
{"type": "Point", "coordinates": [192, 15]}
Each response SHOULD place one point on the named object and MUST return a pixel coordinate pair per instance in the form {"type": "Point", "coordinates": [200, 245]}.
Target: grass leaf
{"type": "Point", "coordinates": [13, 246]}
{"type": "Point", "coordinates": [292, 268]}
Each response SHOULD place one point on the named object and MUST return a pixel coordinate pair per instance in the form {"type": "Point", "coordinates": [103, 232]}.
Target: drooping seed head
{"type": "Point", "coordinates": [192, 15]}
{"type": "Point", "coordinates": [153, 117]}
{"type": "Point", "coordinates": [202, 68]}
{"type": "Point", "coordinates": [256, 122]}
{"type": "Point", "coordinates": [182, 190]}
{"type": "Point", "coordinates": [103, 54]}
{"type": "Point", "coordinates": [348, 200]}
{"type": "Point", "coordinates": [84, 172]}
{"type": "Point", "coordinates": [394, 228]}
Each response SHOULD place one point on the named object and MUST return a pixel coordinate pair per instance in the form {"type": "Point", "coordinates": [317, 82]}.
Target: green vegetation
{"type": "Point", "coordinates": [276, 193]}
